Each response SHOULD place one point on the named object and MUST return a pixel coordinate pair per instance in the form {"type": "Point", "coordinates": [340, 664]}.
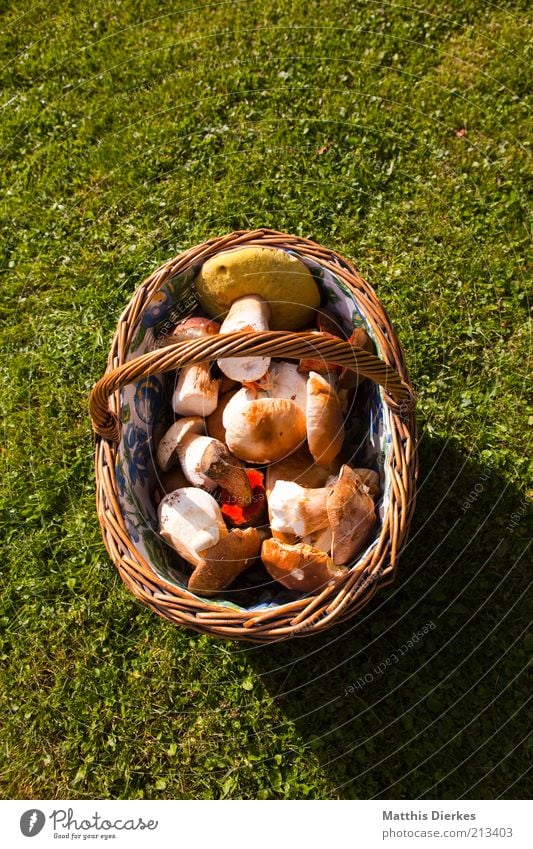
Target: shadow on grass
{"type": "Point", "coordinates": [423, 694]}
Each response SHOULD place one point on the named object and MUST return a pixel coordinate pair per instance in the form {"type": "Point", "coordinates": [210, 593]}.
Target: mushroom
{"type": "Point", "coordinates": [250, 312]}
{"type": "Point", "coordinates": [207, 462]}
{"type": "Point", "coordinates": [325, 423]}
{"type": "Point", "coordinates": [266, 421]}
{"type": "Point", "coordinates": [263, 430]}
{"type": "Point", "coordinates": [167, 453]}
{"type": "Point", "coordinates": [283, 380]}
{"type": "Point", "coordinates": [351, 515]}
{"type": "Point", "coordinates": [336, 518]}
{"type": "Point", "coordinates": [196, 392]}
{"type": "Point", "coordinates": [191, 328]}
{"type": "Point", "coordinates": [214, 422]}
{"type": "Point", "coordinates": [299, 567]}
{"type": "Point", "coordinates": [298, 510]}
{"type": "Point", "coordinates": [299, 467]}
{"type": "Point", "coordinates": [191, 522]}
{"type": "Point", "coordinates": [223, 562]}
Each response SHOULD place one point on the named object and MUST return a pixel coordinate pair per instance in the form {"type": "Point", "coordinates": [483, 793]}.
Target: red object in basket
{"type": "Point", "coordinates": [245, 514]}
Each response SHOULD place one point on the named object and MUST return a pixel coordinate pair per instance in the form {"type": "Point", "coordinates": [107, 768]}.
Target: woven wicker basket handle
{"type": "Point", "coordinates": [287, 345]}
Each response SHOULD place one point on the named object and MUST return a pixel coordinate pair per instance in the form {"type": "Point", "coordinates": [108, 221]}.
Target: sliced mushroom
{"type": "Point", "coordinates": [325, 423]}
{"type": "Point", "coordinates": [250, 312]}
{"type": "Point", "coordinates": [190, 520]}
{"type": "Point", "coordinates": [301, 468]}
{"type": "Point", "coordinates": [207, 462]}
{"type": "Point", "coordinates": [296, 509]}
{"type": "Point", "coordinates": [167, 450]}
{"type": "Point", "coordinates": [351, 515]}
{"type": "Point", "coordinates": [223, 562]}
{"type": "Point", "coordinates": [299, 567]}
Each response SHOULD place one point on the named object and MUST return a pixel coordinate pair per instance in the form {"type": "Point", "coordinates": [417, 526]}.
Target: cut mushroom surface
{"type": "Point", "coordinates": [190, 520]}
{"type": "Point", "coordinates": [295, 509]}
{"type": "Point", "coordinates": [299, 567]}
{"type": "Point", "coordinates": [250, 312]}
{"type": "Point", "coordinates": [325, 422]}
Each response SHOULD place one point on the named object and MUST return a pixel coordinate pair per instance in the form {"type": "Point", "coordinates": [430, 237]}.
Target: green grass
{"type": "Point", "coordinates": [131, 132]}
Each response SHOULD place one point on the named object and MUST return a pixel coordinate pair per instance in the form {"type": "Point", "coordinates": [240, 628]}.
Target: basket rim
{"type": "Point", "coordinates": [311, 613]}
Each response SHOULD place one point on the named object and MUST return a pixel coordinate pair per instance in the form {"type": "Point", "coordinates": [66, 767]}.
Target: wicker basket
{"type": "Point", "coordinates": [155, 586]}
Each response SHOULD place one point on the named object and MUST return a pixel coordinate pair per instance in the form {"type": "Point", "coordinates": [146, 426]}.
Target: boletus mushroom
{"type": "Point", "coordinates": [191, 522]}
{"type": "Point", "coordinates": [205, 462]}
{"type": "Point", "coordinates": [251, 312]}
{"type": "Point", "coordinates": [299, 567]}
{"type": "Point", "coordinates": [351, 514]}
{"type": "Point", "coordinates": [325, 422]}
{"type": "Point", "coordinates": [224, 561]}
{"type": "Point", "coordinates": [265, 421]}
{"type": "Point", "coordinates": [196, 392]}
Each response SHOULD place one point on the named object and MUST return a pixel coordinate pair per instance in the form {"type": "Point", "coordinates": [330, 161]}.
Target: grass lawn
{"type": "Point", "coordinates": [397, 134]}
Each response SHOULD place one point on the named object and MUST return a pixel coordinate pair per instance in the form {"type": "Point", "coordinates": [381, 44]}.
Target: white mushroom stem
{"type": "Point", "coordinates": [196, 392]}
{"type": "Point", "coordinates": [167, 450]}
{"type": "Point", "coordinates": [298, 510]}
{"type": "Point", "coordinates": [250, 312]}
{"type": "Point", "coordinates": [190, 520]}
{"type": "Point", "coordinates": [207, 462]}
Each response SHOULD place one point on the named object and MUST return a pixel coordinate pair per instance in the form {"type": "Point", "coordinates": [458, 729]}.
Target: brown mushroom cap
{"type": "Point", "coordinates": [300, 468]}
{"type": "Point", "coordinates": [325, 422]}
{"type": "Point", "coordinates": [351, 516]}
{"type": "Point", "coordinates": [299, 567]}
{"type": "Point", "coordinates": [223, 562]}
{"type": "Point", "coordinates": [264, 430]}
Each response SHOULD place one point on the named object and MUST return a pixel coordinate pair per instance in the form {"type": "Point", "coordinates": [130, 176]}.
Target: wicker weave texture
{"type": "Point", "coordinates": [334, 603]}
